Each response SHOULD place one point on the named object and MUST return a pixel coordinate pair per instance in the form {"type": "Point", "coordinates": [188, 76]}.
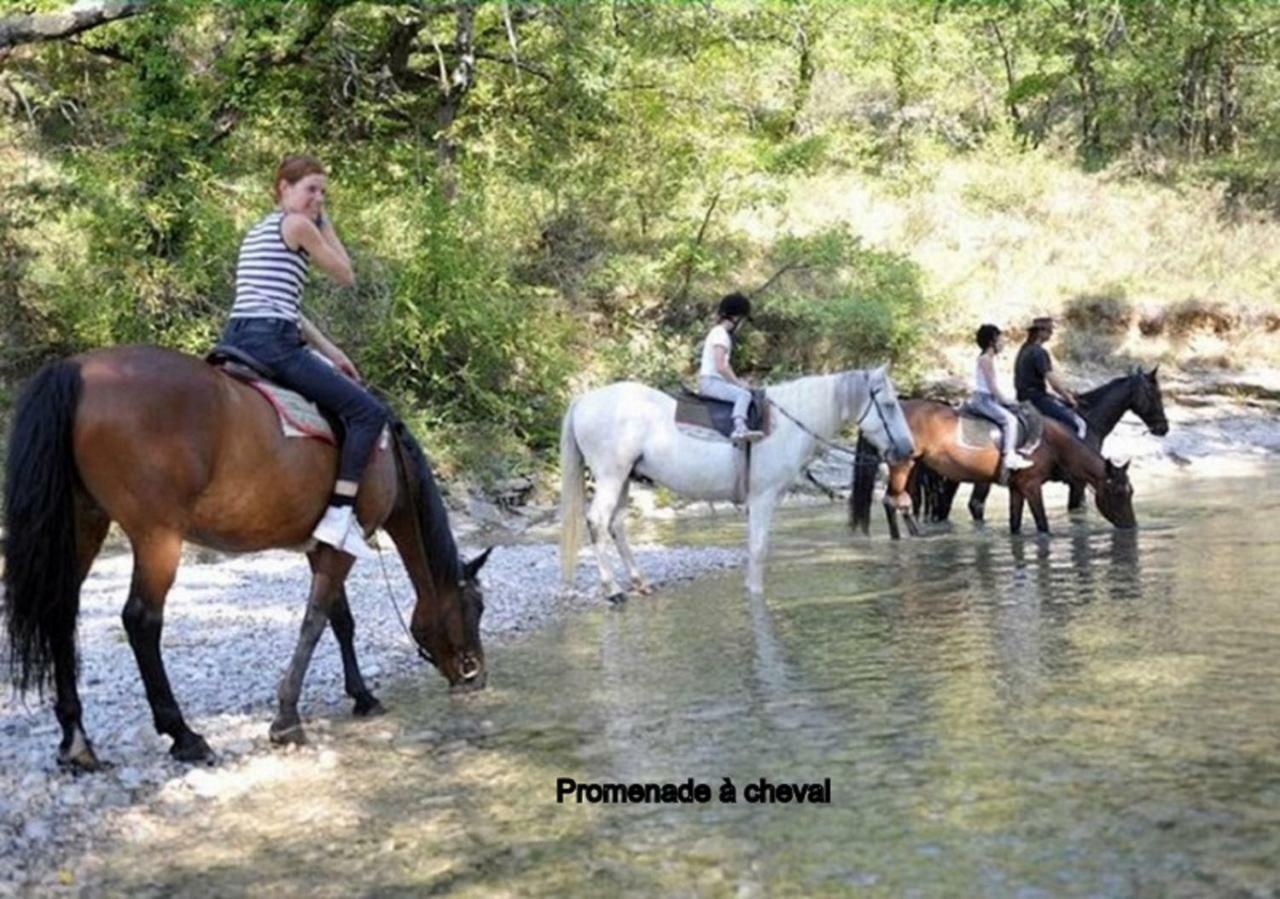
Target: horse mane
{"type": "Point", "coordinates": [433, 519]}
{"type": "Point", "coordinates": [812, 400]}
{"type": "Point", "coordinates": [1090, 397]}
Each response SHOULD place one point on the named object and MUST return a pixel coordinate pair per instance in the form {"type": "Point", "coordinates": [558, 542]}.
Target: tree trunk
{"type": "Point", "coordinates": [1087, 81]}
{"type": "Point", "coordinates": [454, 86]}
{"type": "Point", "coordinates": [1228, 108]}
{"type": "Point", "coordinates": [1010, 76]}
{"type": "Point", "coordinates": [805, 78]}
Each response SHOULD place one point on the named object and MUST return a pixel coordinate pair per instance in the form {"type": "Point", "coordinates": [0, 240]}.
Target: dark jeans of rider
{"type": "Point", "coordinates": [1055, 409]}
{"type": "Point", "coordinates": [278, 345]}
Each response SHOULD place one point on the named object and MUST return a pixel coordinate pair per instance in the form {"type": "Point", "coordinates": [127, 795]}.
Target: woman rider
{"type": "Point", "coordinates": [715, 376]}
{"type": "Point", "coordinates": [267, 323]}
{"type": "Point", "coordinates": [990, 400]}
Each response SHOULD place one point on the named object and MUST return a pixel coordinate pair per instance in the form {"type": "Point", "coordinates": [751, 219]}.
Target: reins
{"type": "Point", "coordinates": [832, 444]}
{"type": "Point", "coordinates": [417, 532]}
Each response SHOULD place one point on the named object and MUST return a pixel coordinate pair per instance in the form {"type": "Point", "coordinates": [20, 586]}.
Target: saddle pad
{"type": "Point", "coordinates": [975, 432]}
{"type": "Point", "coordinates": [299, 417]}
{"type": "Point", "coordinates": [708, 418]}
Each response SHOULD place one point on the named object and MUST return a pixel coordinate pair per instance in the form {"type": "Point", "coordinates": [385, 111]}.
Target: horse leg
{"type": "Point", "coordinates": [891, 515]}
{"type": "Point", "coordinates": [896, 499]}
{"type": "Point", "coordinates": [599, 519]}
{"type": "Point", "coordinates": [759, 518]}
{"type": "Point", "coordinates": [329, 570]}
{"type": "Point", "coordinates": [618, 530]}
{"type": "Point", "coordinates": [1015, 510]}
{"type": "Point", "coordinates": [1036, 501]}
{"type": "Point", "coordinates": [344, 629]}
{"type": "Point", "coordinates": [1075, 498]}
{"type": "Point", "coordinates": [155, 562]}
{"type": "Point", "coordinates": [76, 751]}
{"type": "Point", "coordinates": [978, 501]}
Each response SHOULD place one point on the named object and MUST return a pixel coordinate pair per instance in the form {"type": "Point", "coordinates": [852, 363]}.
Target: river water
{"type": "Point", "coordinates": [1097, 714]}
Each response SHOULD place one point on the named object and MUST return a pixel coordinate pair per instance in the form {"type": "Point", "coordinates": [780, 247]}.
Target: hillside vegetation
{"type": "Point", "coordinates": [540, 197]}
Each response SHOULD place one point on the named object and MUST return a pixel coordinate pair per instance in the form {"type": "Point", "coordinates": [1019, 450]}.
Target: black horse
{"type": "Point", "coordinates": [1138, 392]}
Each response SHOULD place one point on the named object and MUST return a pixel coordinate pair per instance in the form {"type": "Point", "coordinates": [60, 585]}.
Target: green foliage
{"type": "Point", "coordinates": [608, 166]}
{"type": "Point", "coordinates": [848, 306]}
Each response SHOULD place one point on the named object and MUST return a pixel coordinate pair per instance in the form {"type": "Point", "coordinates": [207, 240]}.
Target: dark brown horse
{"type": "Point", "coordinates": [173, 450]}
{"type": "Point", "coordinates": [1102, 408]}
{"type": "Point", "coordinates": [934, 428]}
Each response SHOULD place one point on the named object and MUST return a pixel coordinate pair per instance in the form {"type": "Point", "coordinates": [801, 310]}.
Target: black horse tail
{"type": "Point", "coordinates": [931, 493]}
{"type": "Point", "coordinates": [865, 465]}
{"type": "Point", "coordinates": [41, 577]}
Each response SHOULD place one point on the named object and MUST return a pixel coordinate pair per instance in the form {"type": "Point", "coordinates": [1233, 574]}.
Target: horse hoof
{"type": "Point", "coordinates": [192, 748]}
{"type": "Point", "coordinates": [83, 762]}
{"type": "Point", "coordinates": [368, 707]}
{"type": "Point", "coordinates": [617, 599]}
{"type": "Point", "coordinates": [288, 735]}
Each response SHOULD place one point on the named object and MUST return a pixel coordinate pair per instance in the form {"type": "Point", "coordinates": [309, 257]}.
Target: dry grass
{"type": "Point", "coordinates": [1141, 271]}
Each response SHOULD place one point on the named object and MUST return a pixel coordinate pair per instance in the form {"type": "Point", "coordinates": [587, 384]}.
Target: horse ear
{"type": "Point", "coordinates": [1152, 376]}
{"type": "Point", "coordinates": [472, 568]}
{"type": "Point", "coordinates": [1125, 467]}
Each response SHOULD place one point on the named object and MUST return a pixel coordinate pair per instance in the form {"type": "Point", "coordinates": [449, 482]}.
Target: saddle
{"type": "Point", "coordinates": [709, 418]}
{"type": "Point", "coordinates": [299, 417]}
{"type": "Point", "coordinates": [979, 431]}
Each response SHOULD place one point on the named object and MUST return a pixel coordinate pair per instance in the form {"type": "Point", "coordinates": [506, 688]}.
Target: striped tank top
{"type": "Point", "coordinates": [269, 275]}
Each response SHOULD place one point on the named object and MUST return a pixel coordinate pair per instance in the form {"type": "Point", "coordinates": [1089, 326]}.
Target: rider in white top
{"type": "Point", "coordinates": [990, 400]}
{"type": "Point", "coordinates": [715, 375]}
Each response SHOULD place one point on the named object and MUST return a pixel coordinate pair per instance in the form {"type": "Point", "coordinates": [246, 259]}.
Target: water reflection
{"type": "Point", "coordinates": [1089, 714]}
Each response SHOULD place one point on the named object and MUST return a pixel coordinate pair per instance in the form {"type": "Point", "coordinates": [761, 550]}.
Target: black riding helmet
{"type": "Point", "coordinates": [734, 305]}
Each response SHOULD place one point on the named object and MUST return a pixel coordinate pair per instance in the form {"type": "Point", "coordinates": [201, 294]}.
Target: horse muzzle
{"type": "Point", "coordinates": [471, 675]}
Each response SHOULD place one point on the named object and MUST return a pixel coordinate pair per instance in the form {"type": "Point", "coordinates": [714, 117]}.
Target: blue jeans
{"type": "Point", "coordinates": [988, 406]}
{"type": "Point", "coordinates": [277, 344]}
{"type": "Point", "coordinates": [720, 389]}
{"type": "Point", "coordinates": [1052, 407]}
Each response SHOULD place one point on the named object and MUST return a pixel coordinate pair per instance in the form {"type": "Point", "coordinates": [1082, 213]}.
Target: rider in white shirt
{"type": "Point", "coordinates": [990, 400]}
{"type": "Point", "coordinates": [715, 375]}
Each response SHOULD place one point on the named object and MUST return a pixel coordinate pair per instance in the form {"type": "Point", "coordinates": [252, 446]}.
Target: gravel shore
{"type": "Point", "coordinates": [230, 627]}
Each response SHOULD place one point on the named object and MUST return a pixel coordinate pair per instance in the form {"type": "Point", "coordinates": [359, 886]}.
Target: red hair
{"type": "Point", "coordinates": [294, 169]}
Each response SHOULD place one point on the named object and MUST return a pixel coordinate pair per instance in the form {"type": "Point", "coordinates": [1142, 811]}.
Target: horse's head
{"type": "Point", "coordinates": [880, 419]}
{"type": "Point", "coordinates": [448, 633]}
{"type": "Point", "coordinates": [1114, 496]}
{"type": "Point", "coordinates": [1147, 403]}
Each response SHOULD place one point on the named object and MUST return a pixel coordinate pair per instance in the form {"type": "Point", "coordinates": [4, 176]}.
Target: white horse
{"type": "Point", "coordinates": [626, 429]}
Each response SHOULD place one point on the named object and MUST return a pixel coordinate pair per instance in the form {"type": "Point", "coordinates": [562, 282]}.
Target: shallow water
{"type": "Point", "coordinates": [1091, 715]}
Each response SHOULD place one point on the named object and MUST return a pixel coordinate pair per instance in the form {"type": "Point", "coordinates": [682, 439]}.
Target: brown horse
{"type": "Point", "coordinates": [934, 428]}
{"type": "Point", "coordinates": [1102, 408]}
{"type": "Point", "coordinates": [173, 450]}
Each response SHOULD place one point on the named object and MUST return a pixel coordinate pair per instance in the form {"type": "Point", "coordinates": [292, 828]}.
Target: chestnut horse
{"type": "Point", "coordinates": [934, 428]}
{"type": "Point", "coordinates": [1102, 408]}
{"type": "Point", "coordinates": [172, 450]}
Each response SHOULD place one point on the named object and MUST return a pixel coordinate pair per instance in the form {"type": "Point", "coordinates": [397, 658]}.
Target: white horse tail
{"type": "Point", "coordinates": [572, 512]}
